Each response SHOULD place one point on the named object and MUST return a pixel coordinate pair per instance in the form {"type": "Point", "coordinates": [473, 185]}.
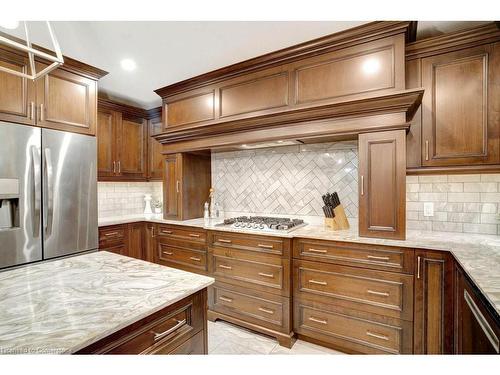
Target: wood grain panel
{"type": "Point", "coordinates": [106, 143]}
{"type": "Point", "coordinates": [136, 240]}
{"type": "Point", "coordinates": [16, 93]}
{"type": "Point", "coordinates": [155, 170]}
{"type": "Point", "coordinates": [171, 181]}
{"type": "Point", "coordinates": [339, 76]}
{"type": "Point", "coordinates": [133, 155]}
{"type": "Point", "coordinates": [382, 176]}
{"type": "Point", "coordinates": [414, 135]}
{"type": "Point", "coordinates": [191, 110]}
{"type": "Point", "coordinates": [252, 95]}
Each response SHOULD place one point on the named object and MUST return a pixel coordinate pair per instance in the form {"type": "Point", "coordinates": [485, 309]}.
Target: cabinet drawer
{"type": "Point", "coordinates": [368, 256]}
{"type": "Point", "coordinates": [260, 274]}
{"type": "Point", "coordinates": [112, 234]}
{"type": "Point", "coordinates": [358, 334]}
{"type": "Point", "coordinates": [383, 293]}
{"type": "Point", "coordinates": [183, 233]}
{"type": "Point", "coordinates": [255, 307]}
{"type": "Point", "coordinates": [183, 256]}
{"type": "Point", "coordinates": [254, 243]}
{"type": "Point", "coordinates": [194, 345]}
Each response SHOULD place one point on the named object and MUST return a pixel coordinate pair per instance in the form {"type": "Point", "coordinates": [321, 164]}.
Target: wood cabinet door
{"type": "Point", "coordinates": [477, 330]}
{"type": "Point", "coordinates": [382, 184]}
{"type": "Point", "coordinates": [136, 240]}
{"type": "Point", "coordinates": [108, 139]}
{"type": "Point", "coordinates": [460, 110]}
{"type": "Point", "coordinates": [155, 158]}
{"type": "Point", "coordinates": [171, 187]}
{"type": "Point", "coordinates": [17, 95]}
{"type": "Point", "coordinates": [132, 159]}
{"type": "Point", "coordinates": [67, 101]}
{"type": "Point", "coordinates": [433, 314]}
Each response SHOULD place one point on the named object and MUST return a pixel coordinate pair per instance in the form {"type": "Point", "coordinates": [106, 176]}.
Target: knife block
{"type": "Point", "coordinates": [339, 222]}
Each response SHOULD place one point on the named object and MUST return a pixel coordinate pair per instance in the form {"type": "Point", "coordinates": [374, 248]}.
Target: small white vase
{"type": "Point", "coordinates": [147, 206]}
{"type": "Point", "coordinates": [157, 210]}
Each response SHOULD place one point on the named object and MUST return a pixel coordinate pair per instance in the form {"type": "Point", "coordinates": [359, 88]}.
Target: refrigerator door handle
{"type": "Point", "coordinates": [37, 181]}
{"type": "Point", "coordinates": [50, 191]}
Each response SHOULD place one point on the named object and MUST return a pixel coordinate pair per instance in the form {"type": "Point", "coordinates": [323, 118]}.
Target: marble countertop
{"type": "Point", "coordinates": [479, 255]}
{"type": "Point", "coordinates": [65, 305]}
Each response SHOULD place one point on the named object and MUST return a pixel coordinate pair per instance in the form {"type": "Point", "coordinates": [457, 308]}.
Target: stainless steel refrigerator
{"type": "Point", "coordinates": [48, 194]}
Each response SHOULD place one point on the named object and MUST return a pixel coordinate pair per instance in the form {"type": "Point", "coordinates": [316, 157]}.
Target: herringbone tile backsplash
{"type": "Point", "coordinates": [287, 180]}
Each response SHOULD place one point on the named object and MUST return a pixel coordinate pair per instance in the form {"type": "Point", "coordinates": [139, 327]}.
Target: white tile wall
{"type": "Point", "coordinates": [291, 180]}
{"type": "Point", "coordinates": [125, 198]}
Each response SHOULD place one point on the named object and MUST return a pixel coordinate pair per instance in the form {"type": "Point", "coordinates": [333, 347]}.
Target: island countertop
{"type": "Point", "coordinates": [65, 305]}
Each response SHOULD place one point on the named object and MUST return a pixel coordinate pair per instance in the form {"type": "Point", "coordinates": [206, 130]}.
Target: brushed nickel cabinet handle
{"type": "Point", "coordinates": [152, 231]}
{"type": "Point", "coordinates": [31, 110]}
{"type": "Point", "coordinates": [270, 275]}
{"type": "Point", "coordinates": [225, 299]}
{"type": "Point", "coordinates": [362, 185]}
{"type": "Point", "coordinates": [114, 166]}
{"type": "Point", "coordinates": [158, 336]}
{"type": "Point", "coordinates": [426, 149]}
{"type": "Point", "coordinates": [224, 241]}
{"type": "Point", "coordinates": [110, 234]}
{"type": "Point", "coordinates": [265, 246]}
{"type": "Point", "coordinates": [194, 235]}
{"type": "Point", "coordinates": [177, 183]}
{"type": "Point", "coordinates": [377, 336]}
{"type": "Point", "coordinates": [195, 259]}
{"type": "Point", "coordinates": [168, 253]}
{"type": "Point", "coordinates": [318, 282]}
{"type": "Point", "coordinates": [383, 294]}
{"type": "Point", "coordinates": [166, 231]}
{"type": "Point", "coordinates": [316, 320]}
{"type": "Point", "coordinates": [42, 116]}
{"type": "Point", "coordinates": [418, 267]}
{"type": "Point", "coordinates": [483, 323]}
{"type": "Point", "coordinates": [376, 257]}
{"type": "Point", "coordinates": [225, 267]}
{"type": "Point", "coordinates": [317, 251]}
{"type": "Point", "coordinates": [267, 311]}
{"type": "Point", "coordinates": [119, 166]}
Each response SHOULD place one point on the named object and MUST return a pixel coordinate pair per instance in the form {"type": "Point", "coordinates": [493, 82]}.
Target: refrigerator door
{"type": "Point", "coordinates": [20, 195]}
{"type": "Point", "coordinates": [69, 193]}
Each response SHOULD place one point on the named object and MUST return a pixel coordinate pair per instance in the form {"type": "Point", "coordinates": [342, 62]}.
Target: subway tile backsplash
{"type": "Point", "coordinates": [125, 198]}
{"type": "Point", "coordinates": [291, 180]}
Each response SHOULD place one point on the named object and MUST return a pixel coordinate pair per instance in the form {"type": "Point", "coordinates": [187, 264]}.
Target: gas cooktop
{"type": "Point", "coordinates": [264, 223]}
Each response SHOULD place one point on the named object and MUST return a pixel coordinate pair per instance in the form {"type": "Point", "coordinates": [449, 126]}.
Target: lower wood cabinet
{"type": "Point", "coordinates": [477, 324]}
{"type": "Point", "coordinates": [124, 239]}
{"type": "Point", "coordinates": [433, 317]}
{"type": "Point", "coordinates": [177, 329]}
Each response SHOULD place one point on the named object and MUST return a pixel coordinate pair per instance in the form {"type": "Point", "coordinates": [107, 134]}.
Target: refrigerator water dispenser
{"type": "Point", "coordinates": [9, 203]}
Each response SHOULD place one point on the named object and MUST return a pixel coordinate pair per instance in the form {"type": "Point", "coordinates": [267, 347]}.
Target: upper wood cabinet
{"type": "Point", "coordinates": [458, 126]}
{"type": "Point", "coordinates": [133, 153]}
{"type": "Point", "coordinates": [65, 99]}
{"type": "Point", "coordinates": [345, 66]}
{"type": "Point", "coordinates": [433, 315]}
{"type": "Point", "coordinates": [155, 161]}
{"type": "Point", "coordinates": [382, 184]}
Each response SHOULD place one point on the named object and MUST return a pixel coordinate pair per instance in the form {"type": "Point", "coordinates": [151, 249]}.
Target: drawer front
{"type": "Point", "coordinates": [259, 308]}
{"type": "Point", "coordinates": [183, 256]}
{"type": "Point", "coordinates": [112, 234]}
{"type": "Point", "coordinates": [182, 233]}
{"type": "Point", "coordinates": [335, 327]}
{"type": "Point", "coordinates": [193, 346]}
{"type": "Point", "coordinates": [379, 292]}
{"type": "Point", "coordinates": [120, 249]}
{"type": "Point", "coordinates": [367, 256]}
{"type": "Point", "coordinates": [251, 273]}
{"type": "Point", "coordinates": [254, 243]}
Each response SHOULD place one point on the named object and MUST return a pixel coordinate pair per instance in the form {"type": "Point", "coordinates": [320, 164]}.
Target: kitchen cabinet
{"type": "Point", "coordinates": [65, 99]}
{"type": "Point", "coordinates": [176, 329]}
{"type": "Point", "coordinates": [458, 126]}
{"type": "Point", "coordinates": [155, 161]}
{"type": "Point", "coordinates": [433, 316]}
{"type": "Point", "coordinates": [186, 185]}
{"type": "Point", "coordinates": [124, 239]}
{"type": "Point", "coordinates": [136, 240]}
{"type": "Point", "coordinates": [121, 142]}
{"type": "Point", "coordinates": [382, 184]}
{"type": "Point", "coordinates": [253, 282]}
{"type": "Point", "coordinates": [477, 324]}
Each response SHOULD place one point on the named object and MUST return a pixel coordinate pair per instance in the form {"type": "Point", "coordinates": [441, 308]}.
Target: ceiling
{"type": "Point", "coordinates": [168, 52]}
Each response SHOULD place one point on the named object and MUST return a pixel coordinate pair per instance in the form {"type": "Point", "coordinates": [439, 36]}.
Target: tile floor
{"type": "Point", "coordinates": [226, 338]}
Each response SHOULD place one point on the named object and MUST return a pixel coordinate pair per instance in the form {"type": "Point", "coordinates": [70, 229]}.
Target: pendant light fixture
{"type": "Point", "coordinates": [55, 61]}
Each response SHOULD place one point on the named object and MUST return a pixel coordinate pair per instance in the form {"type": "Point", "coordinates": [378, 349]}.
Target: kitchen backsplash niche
{"type": "Point", "coordinates": [125, 198]}
{"type": "Point", "coordinates": [290, 181]}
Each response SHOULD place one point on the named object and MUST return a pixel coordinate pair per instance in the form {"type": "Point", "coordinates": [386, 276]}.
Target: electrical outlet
{"type": "Point", "coordinates": [428, 209]}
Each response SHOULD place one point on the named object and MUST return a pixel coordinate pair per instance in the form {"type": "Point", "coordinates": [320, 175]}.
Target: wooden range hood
{"type": "Point", "coordinates": [331, 88]}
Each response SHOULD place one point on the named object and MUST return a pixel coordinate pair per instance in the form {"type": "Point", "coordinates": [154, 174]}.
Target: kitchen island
{"type": "Point", "coordinates": [102, 303]}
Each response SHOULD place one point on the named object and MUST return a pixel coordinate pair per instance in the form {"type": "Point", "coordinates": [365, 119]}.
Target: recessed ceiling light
{"type": "Point", "coordinates": [128, 64]}
{"type": "Point", "coordinates": [9, 24]}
